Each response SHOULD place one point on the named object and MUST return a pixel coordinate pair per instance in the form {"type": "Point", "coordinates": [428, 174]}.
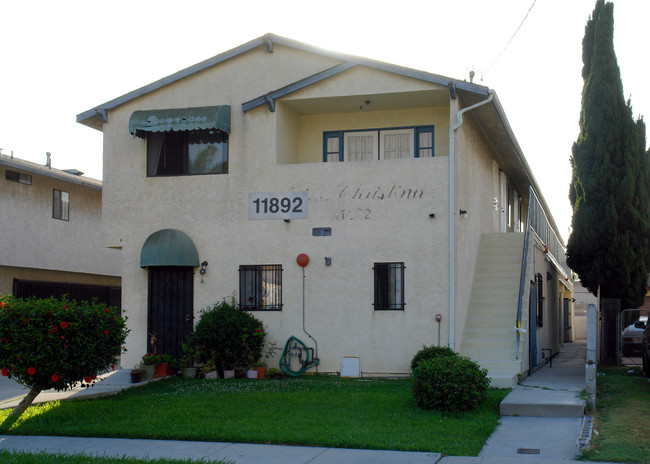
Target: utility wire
{"type": "Point", "coordinates": [513, 36]}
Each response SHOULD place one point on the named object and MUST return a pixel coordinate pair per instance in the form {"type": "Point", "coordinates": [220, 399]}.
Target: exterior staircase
{"type": "Point", "coordinates": [489, 337]}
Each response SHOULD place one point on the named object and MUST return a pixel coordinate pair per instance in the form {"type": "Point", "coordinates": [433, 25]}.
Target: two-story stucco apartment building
{"type": "Point", "coordinates": [52, 234]}
{"type": "Point", "coordinates": [407, 191]}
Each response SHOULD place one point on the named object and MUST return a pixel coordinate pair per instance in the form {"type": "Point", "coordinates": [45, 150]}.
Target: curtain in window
{"type": "Point", "coordinates": [397, 146]}
{"type": "Point", "coordinates": [425, 142]}
{"type": "Point", "coordinates": [333, 144]}
{"type": "Point", "coordinates": [360, 147]}
{"type": "Point", "coordinates": [154, 152]}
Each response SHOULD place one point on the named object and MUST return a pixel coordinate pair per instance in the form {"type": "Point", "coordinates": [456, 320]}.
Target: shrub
{"type": "Point", "coordinates": [431, 352]}
{"type": "Point", "coordinates": [227, 336]}
{"type": "Point", "coordinates": [57, 343]}
{"type": "Point", "coordinates": [449, 383]}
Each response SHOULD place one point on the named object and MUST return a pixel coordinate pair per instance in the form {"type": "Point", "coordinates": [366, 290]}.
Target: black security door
{"type": "Point", "coordinates": [171, 308]}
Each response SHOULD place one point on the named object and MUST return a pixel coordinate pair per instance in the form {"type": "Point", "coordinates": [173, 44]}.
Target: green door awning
{"type": "Point", "coordinates": [180, 119]}
{"type": "Point", "coordinates": [169, 247]}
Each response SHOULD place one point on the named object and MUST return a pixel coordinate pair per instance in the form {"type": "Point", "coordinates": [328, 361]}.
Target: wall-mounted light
{"type": "Point", "coordinates": [328, 261]}
{"type": "Point", "coordinates": [287, 221]}
{"type": "Point", "coordinates": [204, 265]}
{"type": "Point", "coordinates": [463, 213]}
{"type": "Point", "coordinates": [432, 215]}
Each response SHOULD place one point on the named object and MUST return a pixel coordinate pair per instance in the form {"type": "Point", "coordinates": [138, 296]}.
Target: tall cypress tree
{"type": "Point", "coordinates": [609, 245]}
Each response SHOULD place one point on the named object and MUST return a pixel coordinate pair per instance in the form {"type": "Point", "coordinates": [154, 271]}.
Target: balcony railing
{"type": "Point", "coordinates": [537, 223]}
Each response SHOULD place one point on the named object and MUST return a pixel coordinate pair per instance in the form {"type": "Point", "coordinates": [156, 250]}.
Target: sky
{"type": "Point", "coordinates": [59, 59]}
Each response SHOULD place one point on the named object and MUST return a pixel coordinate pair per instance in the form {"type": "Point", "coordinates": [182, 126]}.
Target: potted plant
{"type": "Point", "coordinates": [148, 365]}
{"type": "Point", "coordinates": [137, 375]}
{"type": "Point", "coordinates": [267, 353]}
{"type": "Point", "coordinates": [187, 362]}
{"type": "Point", "coordinates": [172, 364]}
{"type": "Point", "coordinates": [274, 373]}
{"type": "Point", "coordinates": [209, 369]}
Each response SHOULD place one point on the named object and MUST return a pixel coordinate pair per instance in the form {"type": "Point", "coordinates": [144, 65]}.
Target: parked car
{"type": "Point", "coordinates": [632, 336]}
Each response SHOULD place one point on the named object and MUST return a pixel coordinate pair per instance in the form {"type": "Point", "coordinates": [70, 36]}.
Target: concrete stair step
{"type": "Point", "coordinates": [502, 379]}
{"type": "Point", "coordinates": [477, 333]}
{"type": "Point", "coordinates": [477, 323]}
{"type": "Point", "coordinates": [493, 355]}
{"type": "Point", "coordinates": [538, 402]}
{"type": "Point", "coordinates": [489, 345]}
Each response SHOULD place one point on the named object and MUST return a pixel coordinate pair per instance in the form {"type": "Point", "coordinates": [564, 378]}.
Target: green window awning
{"type": "Point", "coordinates": [180, 119]}
{"type": "Point", "coordinates": [169, 247]}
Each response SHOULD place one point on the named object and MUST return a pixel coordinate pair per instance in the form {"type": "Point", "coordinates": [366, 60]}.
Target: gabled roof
{"type": "Point", "coordinates": [491, 117]}
{"type": "Point", "coordinates": [98, 115]}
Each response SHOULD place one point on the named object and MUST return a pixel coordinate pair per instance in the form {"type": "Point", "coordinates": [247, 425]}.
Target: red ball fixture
{"type": "Point", "coordinates": [302, 260]}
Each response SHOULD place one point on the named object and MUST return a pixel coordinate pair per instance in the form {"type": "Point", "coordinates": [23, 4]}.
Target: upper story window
{"type": "Point", "coordinates": [187, 153]}
{"type": "Point", "coordinates": [378, 144]}
{"type": "Point", "coordinates": [184, 141]}
{"type": "Point", "coordinates": [18, 177]}
{"type": "Point", "coordinates": [60, 205]}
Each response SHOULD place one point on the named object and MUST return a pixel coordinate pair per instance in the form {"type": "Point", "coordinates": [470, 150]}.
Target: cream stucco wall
{"type": "Point", "coordinates": [378, 211]}
{"type": "Point", "coordinates": [32, 239]}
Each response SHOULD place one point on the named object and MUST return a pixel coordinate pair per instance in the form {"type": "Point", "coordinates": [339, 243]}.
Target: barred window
{"type": "Point", "coordinates": [389, 286]}
{"type": "Point", "coordinates": [260, 287]}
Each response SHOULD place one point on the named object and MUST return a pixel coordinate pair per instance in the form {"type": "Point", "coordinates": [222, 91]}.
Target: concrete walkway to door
{"type": "Point", "coordinates": [543, 416]}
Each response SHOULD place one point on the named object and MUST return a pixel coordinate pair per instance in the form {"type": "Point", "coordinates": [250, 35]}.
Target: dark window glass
{"type": "Point", "coordinates": [389, 286]}
{"type": "Point", "coordinates": [260, 287]}
{"type": "Point", "coordinates": [18, 177]}
{"type": "Point", "coordinates": [187, 153]}
{"type": "Point", "coordinates": [60, 205]}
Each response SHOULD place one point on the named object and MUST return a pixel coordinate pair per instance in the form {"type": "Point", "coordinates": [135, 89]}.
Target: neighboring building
{"type": "Point", "coordinates": [51, 234]}
{"type": "Point", "coordinates": [277, 148]}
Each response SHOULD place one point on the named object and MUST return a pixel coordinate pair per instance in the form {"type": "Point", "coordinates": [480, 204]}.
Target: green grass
{"type": "Point", "coordinates": [622, 417]}
{"type": "Point", "coordinates": [45, 458]}
{"type": "Point", "coordinates": [310, 411]}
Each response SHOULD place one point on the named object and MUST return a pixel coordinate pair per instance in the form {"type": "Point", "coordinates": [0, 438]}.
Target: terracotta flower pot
{"type": "Point", "coordinates": [261, 372]}
{"type": "Point", "coordinates": [161, 370]}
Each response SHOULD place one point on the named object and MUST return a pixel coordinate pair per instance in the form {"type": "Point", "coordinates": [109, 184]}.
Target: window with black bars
{"type": "Point", "coordinates": [389, 286]}
{"type": "Point", "coordinates": [260, 287]}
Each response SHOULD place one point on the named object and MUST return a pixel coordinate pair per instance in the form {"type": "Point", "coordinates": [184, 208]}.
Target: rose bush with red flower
{"type": "Point", "coordinates": [31, 351]}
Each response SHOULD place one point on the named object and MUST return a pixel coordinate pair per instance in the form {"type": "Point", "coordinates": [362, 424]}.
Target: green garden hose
{"type": "Point", "coordinates": [295, 348]}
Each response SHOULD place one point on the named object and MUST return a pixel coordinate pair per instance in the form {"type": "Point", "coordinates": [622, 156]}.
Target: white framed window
{"type": "Point", "coordinates": [378, 144]}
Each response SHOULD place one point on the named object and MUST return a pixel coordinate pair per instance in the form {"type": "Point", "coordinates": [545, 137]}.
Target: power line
{"type": "Point", "coordinates": [513, 36]}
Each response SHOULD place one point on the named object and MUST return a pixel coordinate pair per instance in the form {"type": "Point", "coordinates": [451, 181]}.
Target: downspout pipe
{"type": "Point", "coordinates": [452, 214]}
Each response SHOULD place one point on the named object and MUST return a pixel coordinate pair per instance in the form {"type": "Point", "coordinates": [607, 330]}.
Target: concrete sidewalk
{"type": "Point", "coordinates": [517, 440]}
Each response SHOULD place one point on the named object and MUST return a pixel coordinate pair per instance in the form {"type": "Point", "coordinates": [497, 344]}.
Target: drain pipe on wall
{"type": "Point", "coordinates": [452, 214]}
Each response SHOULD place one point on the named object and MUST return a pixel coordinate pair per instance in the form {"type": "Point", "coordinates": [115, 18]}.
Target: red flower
{"type": "Point", "coordinates": [65, 306]}
{"type": "Point", "coordinates": [5, 372]}
{"type": "Point", "coordinates": [26, 320]}
{"type": "Point", "coordinates": [55, 378]}
{"type": "Point", "coordinates": [2, 304]}
{"type": "Point", "coordinates": [105, 332]}
{"type": "Point", "coordinates": [113, 366]}
{"type": "Point", "coordinates": [88, 379]}
{"type": "Point", "coordinates": [64, 325]}
{"type": "Point", "coordinates": [5, 339]}
{"type": "Point", "coordinates": [62, 337]}
{"type": "Point", "coordinates": [31, 371]}
{"type": "Point", "coordinates": [106, 310]}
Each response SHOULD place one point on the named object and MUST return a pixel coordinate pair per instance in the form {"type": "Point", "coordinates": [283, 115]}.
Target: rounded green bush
{"type": "Point", "coordinates": [228, 336]}
{"type": "Point", "coordinates": [449, 383]}
{"type": "Point", "coordinates": [431, 352]}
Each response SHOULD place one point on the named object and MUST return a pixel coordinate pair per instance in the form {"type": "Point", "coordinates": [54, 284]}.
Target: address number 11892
{"type": "Point", "coordinates": [284, 205]}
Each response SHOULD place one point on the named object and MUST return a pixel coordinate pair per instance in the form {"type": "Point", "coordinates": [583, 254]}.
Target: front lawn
{"type": "Point", "coordinates": [45, 458]}
{"type": "Point", "coordinates": [622, 418]}
{"type": "Point", "coordinates": [309, 410]}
